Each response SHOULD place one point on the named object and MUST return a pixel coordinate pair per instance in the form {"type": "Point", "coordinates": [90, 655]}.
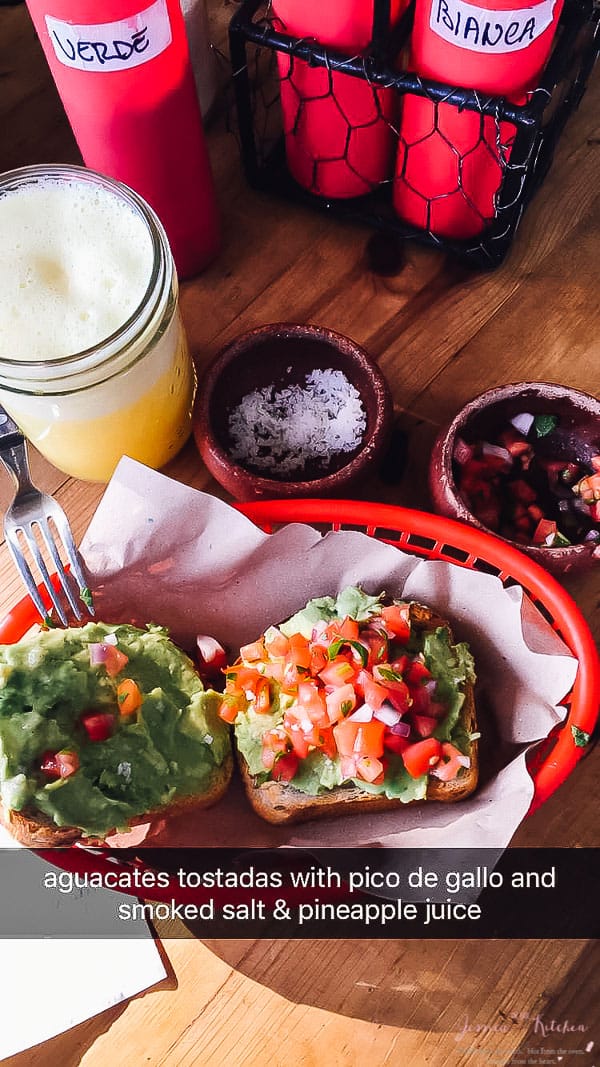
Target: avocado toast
{"type": "Point", "coordinates": [355, 703]}
{"type": "Point", "coordinates": [101, 726]}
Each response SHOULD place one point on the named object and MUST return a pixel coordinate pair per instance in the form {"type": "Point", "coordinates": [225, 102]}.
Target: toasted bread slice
{"type": "Point", "coordinates": [279, 802]}
{"type": "Point", "coordinates": [37, 830]}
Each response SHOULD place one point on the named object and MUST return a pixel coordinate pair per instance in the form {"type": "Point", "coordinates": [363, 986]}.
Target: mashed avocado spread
{"type": "Point", "coordinates": [53, 683]}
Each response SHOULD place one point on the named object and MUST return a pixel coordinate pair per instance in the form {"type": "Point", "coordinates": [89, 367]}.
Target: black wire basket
{"type": "Point", "coordinates": [256, 48]}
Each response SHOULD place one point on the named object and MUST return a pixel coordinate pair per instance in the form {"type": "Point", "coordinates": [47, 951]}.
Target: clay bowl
{"type": "Point", "coordinates": [576, 439]}
{"type": "Point", "coordinates": [277, 356]}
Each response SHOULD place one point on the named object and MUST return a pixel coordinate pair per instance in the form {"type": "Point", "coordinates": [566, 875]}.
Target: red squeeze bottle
{"type": "Point", "coordinates": [450, 165]}
{"type": "Point", "coordinates": [339, 130]}
{"type": "Point", "coordinates": [123, 72]}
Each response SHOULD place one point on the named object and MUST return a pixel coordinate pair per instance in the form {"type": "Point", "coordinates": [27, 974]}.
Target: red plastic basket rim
{"type": "Point", "coordinates": [477, 547]}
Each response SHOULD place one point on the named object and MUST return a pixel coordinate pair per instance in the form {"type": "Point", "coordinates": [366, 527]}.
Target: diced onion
{"type": "Point", "coordinates": [388, 715]}
{"type": "Point", "coordinates": [401, 729]}
{"type": "Point", "coordinates": [99, 652]}
{"type": "Point", "coordinates": [110, 639]}
{"type": "Point", "coordinates": [363, 714]}
{"type": "Point", "coordinates": [497, 450]}
{"type": "Point", "coordinates": [211, 655]}
{"type": "Point", "coordinates": [523, 422]}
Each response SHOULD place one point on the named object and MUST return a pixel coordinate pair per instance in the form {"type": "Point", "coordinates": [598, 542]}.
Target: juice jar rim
{"type": "Point", "coordinates": [120, 350]}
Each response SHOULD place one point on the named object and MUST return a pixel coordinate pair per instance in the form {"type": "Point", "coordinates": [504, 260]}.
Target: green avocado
{"type": "Point", "coordinates": [171, 746]}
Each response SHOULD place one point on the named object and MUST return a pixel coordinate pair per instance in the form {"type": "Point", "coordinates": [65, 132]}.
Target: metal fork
{"type": "Point", "coordinates": [30, 509]}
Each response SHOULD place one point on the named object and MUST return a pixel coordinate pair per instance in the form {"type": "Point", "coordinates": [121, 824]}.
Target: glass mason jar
{"type": "Point", "coordinates": [94, 363]}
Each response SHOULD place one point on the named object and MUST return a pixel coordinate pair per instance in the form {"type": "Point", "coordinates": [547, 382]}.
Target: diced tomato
{"type": "Point", "coordinates": [338, 672]}
{"type": "Point", "coordinates": [369, 768]}
{"type": "Point", "coordinates": [312, 700]}
{"type": "Point", "coordinates": [129, 696]}
{"type": "Point", "coordinates": [401, 664]}
{"type": "Point", "coordinates": [299, 652]}
{"type": "Point", "coordinates": [275, 742]}
{"type": "Point", "coordinates": [318, 659]}
{"type": "Point", "coordinates": [595, 511]}
{"type": "Point", "coordinates": [59, 764]}
{"type": "Point", "coordinates": [424, 725]}
{"type": "Point", "coordinates": [278, 644]}
{"type": "Point", "coordinates": [276, 669]}
{"type": "Point", "coordinates": [397, 691]}
{"type": "Point", "coordinates": [397, 620]}
{"type": "Point", "coordinates": [374, 693]}
{"type": "Point", "coordinates": [340, 702]}
{"type": "Point", "coordinates": [417, 672]}
{"type": "Point", "coordinates": [253, 652]}
{"type": "Point", "coordinates": [348, 628]}
{"type": "Point", "coordinates": [451, 761]}
{"type": "Point", "coordinates": [115, 661]}
{"type": "Point", "coordinates": [300, 741]}
{"type": "Point", "coordinates": [231, 706]}
{"type": "Point", "coordinates": [99, 725]}
{"type": "Point", "coordinates": [393, 743]}
{"type": "Point", "coordinates": [241, 679]}
{"type": "Point", "coordinates": [327, 742]}
{"type": "Point", "coordinates": [359, 738]}
{"type": "Point", "coordinates": [420, 757]}
{"type": "Point", "coordinates": [545, 528]}
{"type": "Point", "coordinates": [376, 643]}
{"type": "Point", "coordinates": [285, 768]}
{"type": "Point", "coordinates": [262, 696]}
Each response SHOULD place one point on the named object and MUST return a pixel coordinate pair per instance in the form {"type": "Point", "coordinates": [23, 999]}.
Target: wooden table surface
{"type": "Point", "coordinates": [441, 335]}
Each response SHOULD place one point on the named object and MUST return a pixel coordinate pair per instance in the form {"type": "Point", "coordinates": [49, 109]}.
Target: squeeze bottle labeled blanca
{"type": "Point", "coordinates": [123, 72]}
{"type": "Point", "coordinates": [450, 164]}
{"type": "Point", "coordinates": [339, 130]}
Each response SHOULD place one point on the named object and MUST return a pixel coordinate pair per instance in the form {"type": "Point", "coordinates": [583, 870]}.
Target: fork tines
{"type": "Point", "coordinates": [24, 533]}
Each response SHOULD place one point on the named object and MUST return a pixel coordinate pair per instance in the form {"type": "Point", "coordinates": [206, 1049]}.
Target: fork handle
{"type": "Point", "coordinates": [10, 433]}
{"type": "Point", "coordinates": [13, 452]}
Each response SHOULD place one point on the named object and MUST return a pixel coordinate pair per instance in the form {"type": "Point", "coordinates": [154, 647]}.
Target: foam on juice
{"type": "Point", "coordinates": [76, 262]}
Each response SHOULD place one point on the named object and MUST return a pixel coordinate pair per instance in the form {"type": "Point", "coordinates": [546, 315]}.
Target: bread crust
{"type": "Point", "coordinates": [279, 802]}
{"type": "Point", "coordinates": [37, 830]}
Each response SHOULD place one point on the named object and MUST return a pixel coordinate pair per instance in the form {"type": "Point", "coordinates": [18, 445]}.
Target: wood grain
{"type": "Point", "coordinates": [441, 334]}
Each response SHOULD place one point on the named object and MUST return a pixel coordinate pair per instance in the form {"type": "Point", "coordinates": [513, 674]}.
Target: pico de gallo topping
{"type": "Point", "coordinates": [522, 485]}
{"type": "Point", "coordinates": [351, 690]}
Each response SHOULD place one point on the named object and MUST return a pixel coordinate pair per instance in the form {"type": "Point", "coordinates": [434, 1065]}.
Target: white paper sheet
{"type": "Point", "coordinates": [67, 980]}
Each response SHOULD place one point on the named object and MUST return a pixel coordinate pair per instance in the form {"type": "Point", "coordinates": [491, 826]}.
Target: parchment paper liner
{"type": "Point", "coordinates": [158, 551]}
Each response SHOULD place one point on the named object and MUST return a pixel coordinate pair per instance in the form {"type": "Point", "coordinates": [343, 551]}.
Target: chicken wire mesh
{"type": "Point", "coordinates": [362, 138]}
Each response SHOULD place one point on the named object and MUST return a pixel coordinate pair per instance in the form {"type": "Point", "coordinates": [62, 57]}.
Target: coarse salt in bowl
{"type": "Point", "coordinates": [290, 410]}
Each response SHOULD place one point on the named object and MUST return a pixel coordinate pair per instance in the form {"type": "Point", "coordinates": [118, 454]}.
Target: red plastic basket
{"type": "Point", "coordinates": [431, 537]}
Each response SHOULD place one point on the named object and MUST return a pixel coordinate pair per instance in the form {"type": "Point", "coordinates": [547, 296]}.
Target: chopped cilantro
{"type": "Point", "coordinates": [85, 596]}
{"type": "Point", "coordinates": [580, 737]}
{"type": "Point", "coordinates": [389, 674]}
{"type": "Point", "coordinates": [334, 649]}
{"type": "Point", "coordinates": [544, 424]}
